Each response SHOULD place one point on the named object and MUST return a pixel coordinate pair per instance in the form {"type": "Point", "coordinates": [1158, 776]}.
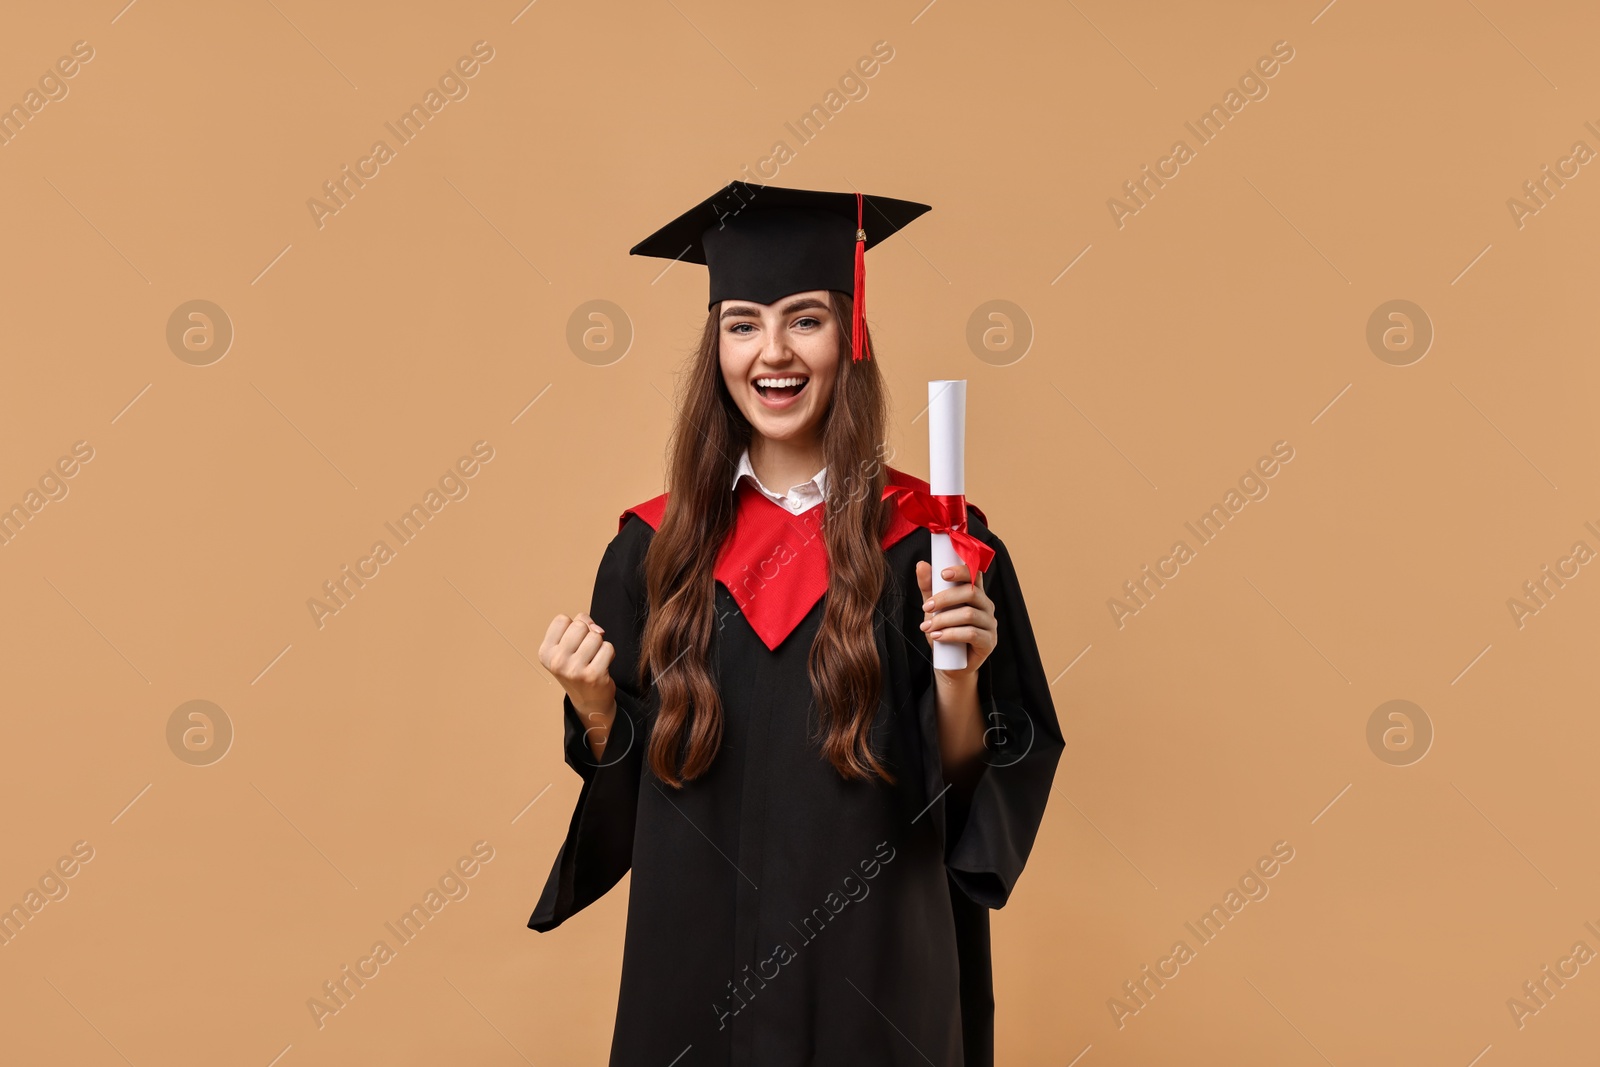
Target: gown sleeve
{"type": "Point", "coordinates": [988, 837]}
{"type": "Point", "coordinates": [598, 849]}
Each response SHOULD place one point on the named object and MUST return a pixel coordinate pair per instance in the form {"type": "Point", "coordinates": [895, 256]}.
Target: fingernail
{"type": "Point", "coordinates": [927, 605]}
{"type": "Point", "coordinates": [935, 634]}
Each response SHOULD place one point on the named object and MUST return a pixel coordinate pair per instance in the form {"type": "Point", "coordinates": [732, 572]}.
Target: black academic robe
{"type": "Point", "coordinates": [780, 915]}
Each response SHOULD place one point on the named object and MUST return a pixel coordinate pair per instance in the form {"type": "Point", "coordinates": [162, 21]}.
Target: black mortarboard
{"type": "Point", "coordinates": [762, 242]}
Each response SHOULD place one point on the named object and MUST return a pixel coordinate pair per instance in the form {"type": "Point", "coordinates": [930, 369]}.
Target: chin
{"type": "Point", "coordinates": [782, 431]}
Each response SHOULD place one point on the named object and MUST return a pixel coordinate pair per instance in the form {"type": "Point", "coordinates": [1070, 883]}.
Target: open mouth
{"type": "Point", "coordinates": [784, 387]}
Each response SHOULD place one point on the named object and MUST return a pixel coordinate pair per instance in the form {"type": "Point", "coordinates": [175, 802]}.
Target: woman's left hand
{"type": "Point", "coordinates": [960, 614]}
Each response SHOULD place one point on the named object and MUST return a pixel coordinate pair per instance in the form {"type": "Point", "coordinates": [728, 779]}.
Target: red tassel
{"type": "Point", "coordinates": [859, 348]}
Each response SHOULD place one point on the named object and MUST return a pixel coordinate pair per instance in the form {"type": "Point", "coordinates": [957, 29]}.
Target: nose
{"type": "Point", "coordinates": [776, 352]}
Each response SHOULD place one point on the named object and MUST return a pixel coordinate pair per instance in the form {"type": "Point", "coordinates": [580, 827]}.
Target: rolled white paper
{"type": "Point", "coordinates": [947, 447]}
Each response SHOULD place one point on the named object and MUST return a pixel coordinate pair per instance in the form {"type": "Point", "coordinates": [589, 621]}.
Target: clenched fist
{"type": "Point", "coordinates": [576, 652]}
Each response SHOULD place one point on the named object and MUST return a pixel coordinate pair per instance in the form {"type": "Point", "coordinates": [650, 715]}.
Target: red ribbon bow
{"type": "Point", "coordinates": [946, 514]}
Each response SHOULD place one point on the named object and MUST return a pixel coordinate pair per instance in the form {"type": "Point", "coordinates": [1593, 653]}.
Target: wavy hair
{"type": "Point", "coordinates": [708, 436]}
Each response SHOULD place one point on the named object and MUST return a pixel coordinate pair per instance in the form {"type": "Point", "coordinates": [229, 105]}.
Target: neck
{"type": "Point", "coordinates": [781, 464]}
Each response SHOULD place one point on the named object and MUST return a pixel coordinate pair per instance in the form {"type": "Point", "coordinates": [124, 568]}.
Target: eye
{"type": "Point", "coordinates": [808, 318]}
{"type": "Point", "coordinates": [740, 327]}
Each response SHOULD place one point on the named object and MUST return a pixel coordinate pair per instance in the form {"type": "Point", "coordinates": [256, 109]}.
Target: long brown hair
{"type": "Point", "coordinates": [842, 665]}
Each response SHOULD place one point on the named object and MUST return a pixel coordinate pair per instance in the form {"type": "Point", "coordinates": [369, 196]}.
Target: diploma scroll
{"type": "Point", "coordinates": [947, 420]}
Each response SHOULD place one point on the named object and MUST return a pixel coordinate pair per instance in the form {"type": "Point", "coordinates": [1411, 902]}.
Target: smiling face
{"type": "Point", "coordinates": [779, 362]}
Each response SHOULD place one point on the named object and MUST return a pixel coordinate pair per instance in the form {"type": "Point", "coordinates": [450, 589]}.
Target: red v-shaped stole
{"type": "Point", "coordinates": [775, 563]}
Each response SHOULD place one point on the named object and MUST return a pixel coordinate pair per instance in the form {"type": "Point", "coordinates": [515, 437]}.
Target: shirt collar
{"type": "Point", "coordinates": [812, 491]}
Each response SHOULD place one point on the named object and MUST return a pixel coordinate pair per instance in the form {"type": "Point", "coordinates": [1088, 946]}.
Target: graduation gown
{"type": "Point", "coordinates": [780, 915]}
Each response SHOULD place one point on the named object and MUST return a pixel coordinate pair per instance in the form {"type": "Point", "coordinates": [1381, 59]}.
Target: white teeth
{"type": "Point", "coordinates": [778, 383]}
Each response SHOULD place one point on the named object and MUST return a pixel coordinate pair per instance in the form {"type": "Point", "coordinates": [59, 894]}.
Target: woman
{"type": "Point", "coordinates": [816, 819]}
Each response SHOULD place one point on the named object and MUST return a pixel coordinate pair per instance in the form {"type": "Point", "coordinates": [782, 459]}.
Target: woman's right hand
{"type": "Point", "coordinates": [576, 652]}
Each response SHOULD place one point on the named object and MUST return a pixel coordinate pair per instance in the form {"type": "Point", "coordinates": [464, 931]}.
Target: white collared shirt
{"type": "Point", "coordinates": [799, 498]}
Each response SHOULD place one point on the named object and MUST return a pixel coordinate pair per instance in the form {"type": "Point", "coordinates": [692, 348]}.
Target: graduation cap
{"type": "Point", "coordinates": [762, 242]}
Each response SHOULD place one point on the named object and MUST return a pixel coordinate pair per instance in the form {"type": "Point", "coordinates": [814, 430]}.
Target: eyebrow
{"type": "Point", "coordinates": [789, 309]}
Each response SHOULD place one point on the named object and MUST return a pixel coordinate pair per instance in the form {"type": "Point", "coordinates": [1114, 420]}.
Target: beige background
{"type": "Point", "coordinates": [1228, 314]}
